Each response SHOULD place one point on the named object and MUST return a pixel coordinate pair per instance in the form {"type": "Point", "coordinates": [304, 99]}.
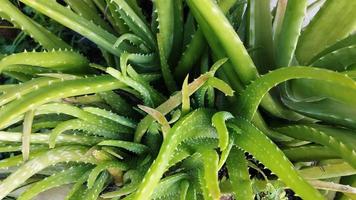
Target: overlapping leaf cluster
{"type": "Point", "coordinates": [263, 92]}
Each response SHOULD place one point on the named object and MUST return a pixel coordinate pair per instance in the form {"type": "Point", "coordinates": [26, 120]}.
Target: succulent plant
{"type": "Point", "coordinates": [173, 99]}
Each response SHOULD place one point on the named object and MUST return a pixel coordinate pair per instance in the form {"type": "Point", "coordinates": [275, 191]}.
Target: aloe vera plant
{"type": "Point", "coordinates": [183, 99]}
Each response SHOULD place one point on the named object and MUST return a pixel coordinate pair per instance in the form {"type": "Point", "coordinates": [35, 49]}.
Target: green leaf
{"type": "Point", "coordinates": [192, 125]}
{"type": "Point", "coordinates": [309, 153]}
{"type": "Point", "coordinates": [43, 138]}
{"type": "Point", "coordinates": [210, 182]}
{"type": "Point", "coordinates": [62, 60]}
{"type": "Point", "coordinates": [46, 39]}
{"type": "Point", "coordinates": [93, 193]}
{"type": "Point", "coordinates": [101, 167]}
{"type": "Point", "coordinates": [239, 177]}
{"type": "Point", "coordinates": [135, 23]}
{"type": "Point", "coordinates": [52, 157]}
{"type": "Point", "coordinates": [339, 140]}
{"type": "Point", "coordinates": [57, 90]}
{"type": "Point", "coordinates": [77, 23]}
{"type": "Point", "coordinates": [253, 94]}
{"type": "Point", "coordinates": [338, 60]}
{"type": "Point", "coordinates": [64, 177]}
{"type": "Point", "coordinates": [287, 37]}
{"type": "Point", "coordinates": [130, 146]}
{"type": "Point", "coordinates": [320, 33]}
{"type": "Point", "coordinates": [252, 140]}
{"type": "Point", "coordinates": [260, 34]}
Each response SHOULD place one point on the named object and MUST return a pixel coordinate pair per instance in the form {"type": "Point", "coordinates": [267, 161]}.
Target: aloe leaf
{"type": "Point", "coordinates": [17, 147]}
{"type": "Point", "coordinates": [58, 155]}
{"type": "Point", "coordinates": [169, 105]}
{"type": "Point", "coordinates": [178, 29]}
{"type": "Point", "coordinates": [228, 38]}
{"type": "Point", "coordinates": [287, 37]}
{"type": "Point", "coordinates": [112, 116]}
{"type": "Point", "coordinates": [252, 140]}
{"type": "Point", "coordinates": [26, 135]}
{"type": "Point", "coordinates": [189, 56]}
{"type": "Point", "coordinates": [348, 41]}
{"type": "Point", "coordinates": [82, 114]}
{"type": "Point", "coordinates": [320, 109]}
{"type": "Point", "coordinates": [94, 192]}
{"type": "Point", "coordinates": [338, 60]}
{"type": "Point", "coordinates": [218, 121]}
{"type": "Point", "coordinates": [130, 146]}
{"type": "Point", "coordinates": [83, 9]}
{"type": "Point", "coordinates": [40, 125]}
{"type": "Point", "coordinates": [26, 70]}
{"type": "Point", "coordinates": [248, 103]}
{"type": "Point", "coordinates": [176, 100]}
{"type": "Point", "coordinates": [90, 4]}
{"type": "Point", "coordinates": [70, 109]}
{"type": "Point", "coordinates": [185, 97]}
{"type": "Point", "coordinates": [16, 161]}
{"type": "Point", "coordinates": [6, 88]}
{"type": "Point", "coordinates": [278, 17]}
{"type": "Point", "coordinates": [114, 18]}
{"type": "Point", "coordinates": [140, 79]}
{"type": "Point", "coordinates": [239, 177]}
{"type": "Point", "coordinates": [30, 27]}
{"type": "Point", "coordinates": [134, 40]}
{"type": "Point", "coordinates": [79, 193]}
{"type": "Point", "coordinates": [197, 43]}
{"type": "Point", "coordinates": [166, 71]}
{"type": "Point", "coordinates": [91, 128]}
{"type": "Point", "coordinates": [173, 139]}
{"type": "Point", "coordinates": [228, 44]}
{"type": "Point", "coordinates": [101, 167]}
{"type": "Point", "coordinates": [67, 176]}
{"type": "Point", "coordinates": [189, 30]}
{"type": "Point", "coordinates": [145, 90]}
{"type": "Point", "coordinates": [66, 61]}
{"type": "Point", "coordinates": [62, 76]}
{"type": "Point", "coordinates": [327, 170]}
{"type": "Point", "coordinates": [166, 22]}
{"type": "Point", "coordinates": [339, 140]}
{"type": "Point", "coordinates": [260, 34]}
{"type": "Point", "coordinates": [220, 85]}
{"type": "Point", "coordinates": [145, 62]}
{"type": "Point", "coordinates": [135, 23]}
{"type": "Point", "coordinates": [159, 117]}
{"type": "Point", "coordinates": [319, 34]}
{"type": "Point", "coordinates": [309, 153]}
{"type": "Point", "coordinates": [78, 186]}
{"type": "Point", "coordinates": [192, 193]}
{"type": "Point", "coordinates": [57, 90]}
{"type": "Point", "coordinates": [338, 94]}
{"type": "Point", "coordinates": [98, 4]}
{"type": "Point", "coordinates": [134, 176]}
{"type": "Point", "coordinates": [184, 187]}
{"type": "Point", "coordinates": [201, 95]}
{"type": "Point", "coordinates": [210, 160]}
{"type": "Point", "coordinates": [18, 76]}
{"type": "Point", "coordinates": [117, 103]}
{"type": "Point", "coordinates": [218, 52]}
{"type": "Point", "coordinates": [42, 138]}
{"type": "Point", "coordinates": [168, 186]}
{"type": "Point", "coordinates": [138, 8]}
{"type": "Point", "coordinates": [76, 23]}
